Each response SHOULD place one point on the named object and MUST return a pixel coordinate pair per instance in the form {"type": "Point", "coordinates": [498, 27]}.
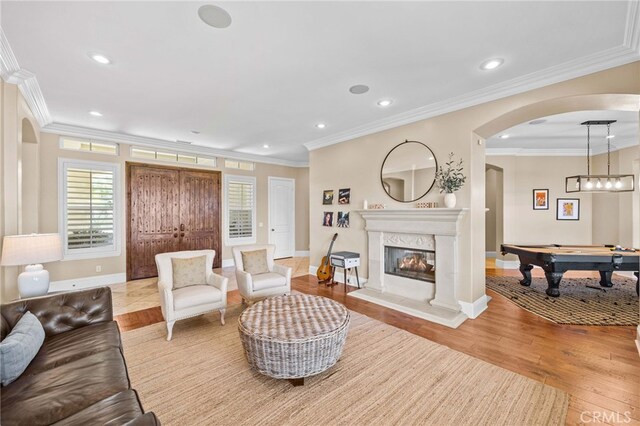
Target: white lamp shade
{"type": "Point", "coordinates": [31, 249]}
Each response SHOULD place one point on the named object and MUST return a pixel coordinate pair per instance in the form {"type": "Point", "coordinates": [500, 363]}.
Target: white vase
{"type": "Point", "coordinates": [450, 200]}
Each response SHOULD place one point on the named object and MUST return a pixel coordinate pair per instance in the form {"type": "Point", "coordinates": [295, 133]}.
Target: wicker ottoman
{"type": "Point", "coordinates": [293, 337]}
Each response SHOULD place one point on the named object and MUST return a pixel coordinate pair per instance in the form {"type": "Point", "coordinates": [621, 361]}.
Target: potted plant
{"type": "Point", "coordinates": [450, 179]}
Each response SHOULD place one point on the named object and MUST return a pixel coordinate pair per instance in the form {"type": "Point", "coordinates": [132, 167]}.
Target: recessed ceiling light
{"type": "Point", "coordinates": [491, 64]}
{"type": "Point", "coordinates": [195, 132]}
{"type": "Point", "coordinates": [266, 145]}
{"type": "Point", "coordinates": [101, 59]}
{"type": "Point", "coordinates": [505, 136]}
{"type": "Point", "coordinates": [430, 158]}
{"type": "Point", "coordinates": [359, 89]}
{"type": "Point", "coordinates": [321, 125]}
{"type": "Point", "coordinates": [385, 102]}
{"type": "Point", "coordinates": [538, 121]}
{"type": "Point", "coordinates": [214, 16]}
{"type": "Point", "coordinates": [95, 113]}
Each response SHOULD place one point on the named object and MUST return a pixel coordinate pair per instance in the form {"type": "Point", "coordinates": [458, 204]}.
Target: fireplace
{"type": "Point", "coordinates": [410, 263]}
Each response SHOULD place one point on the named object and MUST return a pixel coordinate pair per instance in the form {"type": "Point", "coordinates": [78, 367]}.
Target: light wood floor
{"type": "Point", "coordinates": [598, 366]}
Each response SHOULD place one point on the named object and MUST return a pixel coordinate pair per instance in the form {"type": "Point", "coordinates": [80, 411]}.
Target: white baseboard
{"type": "Point", "coordinates": [490, 254]}
{"type": "Point", "coordinates": [227, 263]}
{"type": "Point", "coordinates": [627, 274]}
{"type": "Point", "coordinates": [473, 310]}
{"type": "Point", "coordinates": [87, 282]}
{"type": "Point", "coordinates": [339, 276]}
{"type": "Point", "coordinates": [507, 264]}
{"type": "Point", "coordinates": [301, 253]}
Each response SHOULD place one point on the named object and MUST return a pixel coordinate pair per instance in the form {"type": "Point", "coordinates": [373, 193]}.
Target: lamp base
{"type": "Point", "coordinates": [34, 281]}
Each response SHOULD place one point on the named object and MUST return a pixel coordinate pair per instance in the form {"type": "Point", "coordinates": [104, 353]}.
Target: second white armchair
{"type": "Point", "coordinates": [204, 291]}
{"type": "Point", "coordinates": [263, 277]}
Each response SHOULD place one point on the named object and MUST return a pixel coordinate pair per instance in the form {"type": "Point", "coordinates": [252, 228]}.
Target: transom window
{"type": "Point", "coordinates": [240, 165]}
{"type": "Point", "coordinates": [98, 147]}
{"type": "Point", "coordinates": [172, 157]}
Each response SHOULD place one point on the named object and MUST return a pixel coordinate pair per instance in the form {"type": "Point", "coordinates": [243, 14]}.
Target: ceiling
{"type": "Point", "coordinates": [282, 67]}
{"type": "Point", "coordinates": [564, 133]}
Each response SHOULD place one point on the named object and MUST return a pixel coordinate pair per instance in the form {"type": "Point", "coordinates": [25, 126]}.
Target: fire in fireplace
{"type": "Point", "coordinates": [410, 263]}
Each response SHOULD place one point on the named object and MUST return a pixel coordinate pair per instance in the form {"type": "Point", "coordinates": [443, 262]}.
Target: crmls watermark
{"type": "Point", "coordinates": [609, 417]}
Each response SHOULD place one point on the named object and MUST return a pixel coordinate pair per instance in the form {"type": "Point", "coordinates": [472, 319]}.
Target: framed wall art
{"type": "Point", "coordinates": [327, 197]}
{"type": "Point", "coordinates": [343, 220]}
{"type": "Point", "coordinates": [568, 209]}
{"type": "Point", "coordinates": [344, 196]}
{"type": "Point", "coordinates": [327, 219]}
{"type": "Point", "coordinates": [541, 199]}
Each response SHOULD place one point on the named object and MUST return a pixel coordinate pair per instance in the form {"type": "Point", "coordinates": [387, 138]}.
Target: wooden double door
{"type": "Point", "coordinates": [170, 209]}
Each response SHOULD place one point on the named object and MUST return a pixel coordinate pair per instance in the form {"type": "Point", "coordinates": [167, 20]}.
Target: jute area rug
{"type": "Point", "coordinates": [385, 376]}
{"type": "Point", "coordinates": [582, 301]}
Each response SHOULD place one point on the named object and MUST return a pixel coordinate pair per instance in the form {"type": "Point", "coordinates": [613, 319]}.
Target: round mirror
{"type": "Point", "coordinates": [408, 171]}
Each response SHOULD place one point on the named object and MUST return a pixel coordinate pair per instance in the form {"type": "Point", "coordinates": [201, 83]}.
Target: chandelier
{"type": "Point", "coordinates": [599, 183]}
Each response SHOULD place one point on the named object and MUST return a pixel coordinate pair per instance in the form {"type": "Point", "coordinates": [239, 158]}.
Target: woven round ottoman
{"type": "Point", "coordinates": [293, 337]}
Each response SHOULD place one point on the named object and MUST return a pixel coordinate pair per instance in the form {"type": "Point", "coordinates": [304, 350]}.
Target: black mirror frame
{"type": "Point", "coordinates": [385, 160]}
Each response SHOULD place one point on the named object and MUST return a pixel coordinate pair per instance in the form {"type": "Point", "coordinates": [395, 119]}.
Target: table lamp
{"type": "Point", "coordinates": [32, 250]}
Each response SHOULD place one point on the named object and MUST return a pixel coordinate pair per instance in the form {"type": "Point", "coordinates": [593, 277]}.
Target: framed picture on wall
{"type": "Point", "coordinates": [343, 220]}
{"type": "Point", "coordinates": [568, 209]}
{"type": "Point", "coordinates": [344, 196]}
{"type": "Point", "coordinates": [541, 199]}
{"type": "Point", "coordinates": [327, 219]}
{"type": "Point", "coordinates": [327, 196]}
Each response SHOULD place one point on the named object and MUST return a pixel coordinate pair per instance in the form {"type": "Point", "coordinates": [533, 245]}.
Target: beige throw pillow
{"type": "Point", "coordinates": [189, 271]}
{"type": "Point", "coordinates": [255, 262]}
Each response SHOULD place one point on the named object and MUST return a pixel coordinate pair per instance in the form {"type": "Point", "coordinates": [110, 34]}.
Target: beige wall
{"type": "Point", "coordinates": [491, 203]}
{"type": "Point", "coordinates": [64, 270]}
{"type": "Point", "coordinates": [13, 218]}
{"type": "Point", "coordinates": [356, 163]}
{"type": "Point", "coordinates": [522, 224]}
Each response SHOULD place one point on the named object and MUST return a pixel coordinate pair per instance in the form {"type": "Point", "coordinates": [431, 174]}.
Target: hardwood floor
{"type": "Point", "coordinates": [598, 366]}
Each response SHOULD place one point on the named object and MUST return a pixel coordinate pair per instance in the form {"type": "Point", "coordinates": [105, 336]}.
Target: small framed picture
{"type": "Point", "coordinates": [541, 199]}
{"type": "Point", "coordinates": [343, 220]}
{"type": "Point", "coordinates": [327, 219]}
{"type": "Point", "coordinates": [327, 197]}
{"type": "Point", "coordinates": [344, 196]}
{"type": "Point", "coordinates": [568, 209]}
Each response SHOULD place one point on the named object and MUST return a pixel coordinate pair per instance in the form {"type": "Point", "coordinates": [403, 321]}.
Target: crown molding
{"type": "Point", "coordinates": [26, 81]}
{"type": "Point", "coordinates": [632, 28]}
{"type": "Point", "coordinates": [123, 138]}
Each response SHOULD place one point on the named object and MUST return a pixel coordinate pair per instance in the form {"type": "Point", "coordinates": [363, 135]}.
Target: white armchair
{"type": "Point", "coordinates": [255, 287]}
{"type": "Point", "coordinates": [194, 300]}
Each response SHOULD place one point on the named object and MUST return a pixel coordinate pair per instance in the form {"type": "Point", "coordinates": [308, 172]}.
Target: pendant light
{"type": "Point", "coordinates": [599, 183]}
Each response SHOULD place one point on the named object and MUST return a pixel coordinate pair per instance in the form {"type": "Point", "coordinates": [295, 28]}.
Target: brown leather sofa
{"type": "Point", "coordinates": [79, 376]}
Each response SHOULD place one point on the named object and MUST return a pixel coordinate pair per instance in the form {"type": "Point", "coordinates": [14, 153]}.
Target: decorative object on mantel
{"type": "Point", "coordinates": [365, 205]}
{"type": "Point", "coordinates": [32, 250]}
{"type": "Point", "coordinates": [427, 205]}
{"type": "Point", "coordinates": [376, 206]}
{"type": "Point", "coordinates": [599, 183]}
{"type": "Point", "coordinates": [408, 171]}
{"type": "Point", "coordinates": [541, 199]}
{"type": "Point", "coordinates": [450, 180]}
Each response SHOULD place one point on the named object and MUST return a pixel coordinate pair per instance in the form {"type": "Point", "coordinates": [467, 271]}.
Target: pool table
{"type": "Point", "coordinates": [556, 259]}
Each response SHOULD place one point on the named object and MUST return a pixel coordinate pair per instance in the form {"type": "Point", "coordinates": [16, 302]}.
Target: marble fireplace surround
{"type": "Point", "coordinates": [423, 229]}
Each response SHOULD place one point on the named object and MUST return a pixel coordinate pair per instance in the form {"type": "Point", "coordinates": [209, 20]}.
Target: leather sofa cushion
{"type": "Point", "coordinates": [75, 344]}
{"type": "Point", "coordinates": [195, 295]}
{"type": "Point", "coordinates": [56, 394]}
{"type": "Point", "coordinates": [268, 280]}
{"type": "Point", "coordinates": [63, 312]}
{"type": "Point", "coordinates": [117, 409]}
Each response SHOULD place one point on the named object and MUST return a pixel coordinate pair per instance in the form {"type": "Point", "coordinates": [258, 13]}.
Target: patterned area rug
{"type": "Point", "coordinates": [385, 376]}
{"type": "Point", "coordinates": [582, 301]}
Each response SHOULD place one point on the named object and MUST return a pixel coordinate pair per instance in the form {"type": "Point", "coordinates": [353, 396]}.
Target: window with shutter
{"type": "Point", "coordinates": [89, 209]}
{"type": "Point", "coordinates": [240, 209]}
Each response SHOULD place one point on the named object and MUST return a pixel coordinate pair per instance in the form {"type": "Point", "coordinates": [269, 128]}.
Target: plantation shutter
{"type": "Point", "coordinates": [89, 216]}
{"type": "Point", "coordinates": [240, 202]}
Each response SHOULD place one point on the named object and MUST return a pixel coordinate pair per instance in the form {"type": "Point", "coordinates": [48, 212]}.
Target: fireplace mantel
{"type": "Point", "coordinates": [415, 228]}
